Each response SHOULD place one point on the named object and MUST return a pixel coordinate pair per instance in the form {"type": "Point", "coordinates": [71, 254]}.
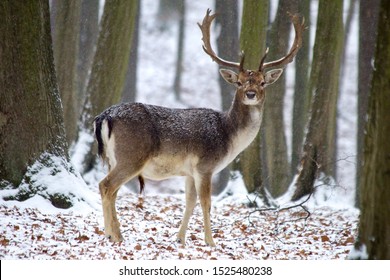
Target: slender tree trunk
{"type": "Point", "coordinates": [368, 20]}
{"type": "Point", "coordinates": [318, 150]}
{"type": "Point", "coordinates": [31, 118]}
{"type": "Point", "coordinates": [130, 89]}
{"type": "Point", "coordinates": [180, 50]}
{"type": "Point", "coordinates": [89, 30]}
{"type": "Point", "coordinates": [302, 97]}
{"type": "Point", "coordinates": [109, 67]}
{"type": "Point", "coordinates": [278, 170]}
{"type": "Point", "coordinates": [65, 47]}
{"type": "Point", "coordinates": [374, 227]}
{"type": "Point", "coordinates": [252, 42]}
{"type": "Point", "coordinates": [167, 10]}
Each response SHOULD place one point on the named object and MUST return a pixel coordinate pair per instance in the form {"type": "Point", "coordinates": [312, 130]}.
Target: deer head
{"type": "Point", "coordinates": [250, 84]}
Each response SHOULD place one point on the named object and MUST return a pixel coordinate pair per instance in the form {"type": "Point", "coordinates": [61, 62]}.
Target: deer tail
{"type": "Point", "coordinates": [98, 123]}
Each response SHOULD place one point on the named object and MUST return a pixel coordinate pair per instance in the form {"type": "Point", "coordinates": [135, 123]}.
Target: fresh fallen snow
{"type": "Point", "coordinates": [149, 225]}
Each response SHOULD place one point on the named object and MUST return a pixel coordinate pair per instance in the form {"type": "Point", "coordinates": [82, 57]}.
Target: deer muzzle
{"type": "Point", "coordinates": [250, 94]}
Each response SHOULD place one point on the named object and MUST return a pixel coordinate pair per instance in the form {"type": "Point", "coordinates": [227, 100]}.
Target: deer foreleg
{"type": "Point", "coordinates": [203, 188]}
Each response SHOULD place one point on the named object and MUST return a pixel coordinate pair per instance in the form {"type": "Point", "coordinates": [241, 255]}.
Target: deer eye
{"type": "Point", "coordinates": [238, 83]}
{"type": "Point", "coordinates": [262, 84]}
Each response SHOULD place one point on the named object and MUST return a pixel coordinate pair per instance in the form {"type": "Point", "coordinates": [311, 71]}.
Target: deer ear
{"type": "Point", "coordinates": [272, 76]}
{"type": "Point", "coordinates": [229, 76]}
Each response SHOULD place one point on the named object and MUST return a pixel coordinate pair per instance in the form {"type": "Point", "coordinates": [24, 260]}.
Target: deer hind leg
{"type": "Point", "coordinates": [109, 188]}
{"type": "Point", "coordinates": [190, 205]}
{"type": "Point", "coordinates": [203, 187]}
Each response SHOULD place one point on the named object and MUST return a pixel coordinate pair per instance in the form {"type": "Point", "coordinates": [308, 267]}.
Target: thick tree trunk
{"type": "Point", "coordinates": [318, 150]}
{"type": "Point", "coordinates": [374, 228]}
{"type": "Point", "coordinates": [368, 21]}
{"type": "Point", "coordinates": [252, 43]}
{"type": "Point", "coordinates": [32, 135]}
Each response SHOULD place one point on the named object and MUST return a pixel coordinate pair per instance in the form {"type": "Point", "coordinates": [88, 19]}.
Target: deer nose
{"type": "Point", "coordinates": [250, 94]}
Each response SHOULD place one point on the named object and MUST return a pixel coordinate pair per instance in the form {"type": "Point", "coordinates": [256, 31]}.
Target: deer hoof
{"type": "Point", "coordinates": [210, 243]}
{"type": "Point", "coordinates": [180, 241]}
{"type": "Point", "coordinates": [115, 238]}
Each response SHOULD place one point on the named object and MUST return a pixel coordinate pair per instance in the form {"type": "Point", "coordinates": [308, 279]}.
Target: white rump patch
{"type": "Point", "coordinates": [109, 144]}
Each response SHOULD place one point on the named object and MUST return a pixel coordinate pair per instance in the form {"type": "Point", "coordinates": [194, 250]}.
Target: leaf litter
{"type": "Point", "coordinates": [149, 226]}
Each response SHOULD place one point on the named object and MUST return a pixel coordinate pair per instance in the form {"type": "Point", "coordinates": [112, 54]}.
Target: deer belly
{"type": "Point", "coordinates": [164, 167]}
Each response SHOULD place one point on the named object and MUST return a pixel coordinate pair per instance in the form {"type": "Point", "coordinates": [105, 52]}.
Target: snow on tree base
{"type": "Point", "coordinates": [54, 179]}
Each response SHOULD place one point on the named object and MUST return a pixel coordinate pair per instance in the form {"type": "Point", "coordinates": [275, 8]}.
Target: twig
{"type": "Point", "coordinates": [278, 210]}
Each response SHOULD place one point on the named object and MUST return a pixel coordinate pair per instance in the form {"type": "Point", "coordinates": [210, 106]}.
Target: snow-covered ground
{"type": "Point", "coordinates": [150, 224]}
{"type": "Point", "coordinates": [34, 229]}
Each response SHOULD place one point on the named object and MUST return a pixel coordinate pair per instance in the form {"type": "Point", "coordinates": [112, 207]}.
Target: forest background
{"type": "Point", "coordinates": [313, 131]}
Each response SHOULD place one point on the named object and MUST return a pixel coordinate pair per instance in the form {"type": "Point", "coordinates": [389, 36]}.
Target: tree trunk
{"type": "Point", "coordinates": [129, 93]}
{"type": "Point", "coordinates": [374, 228]}
{"type": "Point", "coordinates": [275, 146]}
{"type": "Point", "coordinates": [89, 30]}
{"type": "Point", "coordinates": [227, 43]}
{"type": "Point", "coordinates": [180, 50]}
{"type": "Point", "coordinates": [228, 48]}
{"type": "Point", "coordinates": [252, 43]}
{"type": "Point", "coordinates": [319, 146]}
{"type": "Point", "coordinates": [168, 10]}
{"type": "Point", "coordinates": [32, 135]}
{"type": "Point", "coordinates": [109, 67]}
{"type": "Point", "coordinates": [302, 97]}
{"type": "Point", "coordinates": [368, 21]}
{"type": "Point", "coordinates": [65, 47]}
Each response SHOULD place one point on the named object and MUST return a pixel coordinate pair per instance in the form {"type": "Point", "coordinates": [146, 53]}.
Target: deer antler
{"type": "Point", "coordinates": [299, 27]}
{"type": "Point", "coordinates": [205, 28]}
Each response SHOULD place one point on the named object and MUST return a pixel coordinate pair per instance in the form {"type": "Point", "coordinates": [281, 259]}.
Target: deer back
{"type": "Point", "coordinates": [141, 132]}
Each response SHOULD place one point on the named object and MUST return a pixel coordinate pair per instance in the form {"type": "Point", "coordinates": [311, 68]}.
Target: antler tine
{"type": "Point", "coordinates": [205, 28]}
{"type": "Point", "coordinates": [299, 27]}
{"type": "Point", "coordinates": [241, 67]}
{"type": "Point", "coordinates": [261, 68]}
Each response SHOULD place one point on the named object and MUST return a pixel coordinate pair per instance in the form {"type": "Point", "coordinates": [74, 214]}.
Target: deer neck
{"type": "Point", "coordinates": [243, 117]}
{"type": "Point", "coordinates": [243, 123]}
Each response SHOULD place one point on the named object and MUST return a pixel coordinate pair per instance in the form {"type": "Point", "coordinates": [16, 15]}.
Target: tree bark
{"type": "Point", "coordinates": [65, 47]}
{"type": "Point", "coordinates": [277, 163]}
{"type": "Point", "coordinates": [374, 227]}
{"type": "Point", "coordinates": [228, 48]}
{"type": "Point", "coordinates": [227, 43]}
{"type": "Point", "coordinates": [31, 117]}
{"type": "Point", "coordinates": [302, 97]}
{"type": "Point", "coordinates": [319, 146]}
{"type": "Point", "coordinates": [368, 21]}
{"type": "Point", "coordinates": [129, 93]}
{"type": "Point", "coordinates": [89, 30]}
{"type": "Point", "coordinates": [252, 43]}
{"type": "Point", "coordinates": [180, 51]}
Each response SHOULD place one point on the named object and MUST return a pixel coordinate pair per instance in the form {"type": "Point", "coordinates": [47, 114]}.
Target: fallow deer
{"type": "Point", "coordinates": [155, 142]}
